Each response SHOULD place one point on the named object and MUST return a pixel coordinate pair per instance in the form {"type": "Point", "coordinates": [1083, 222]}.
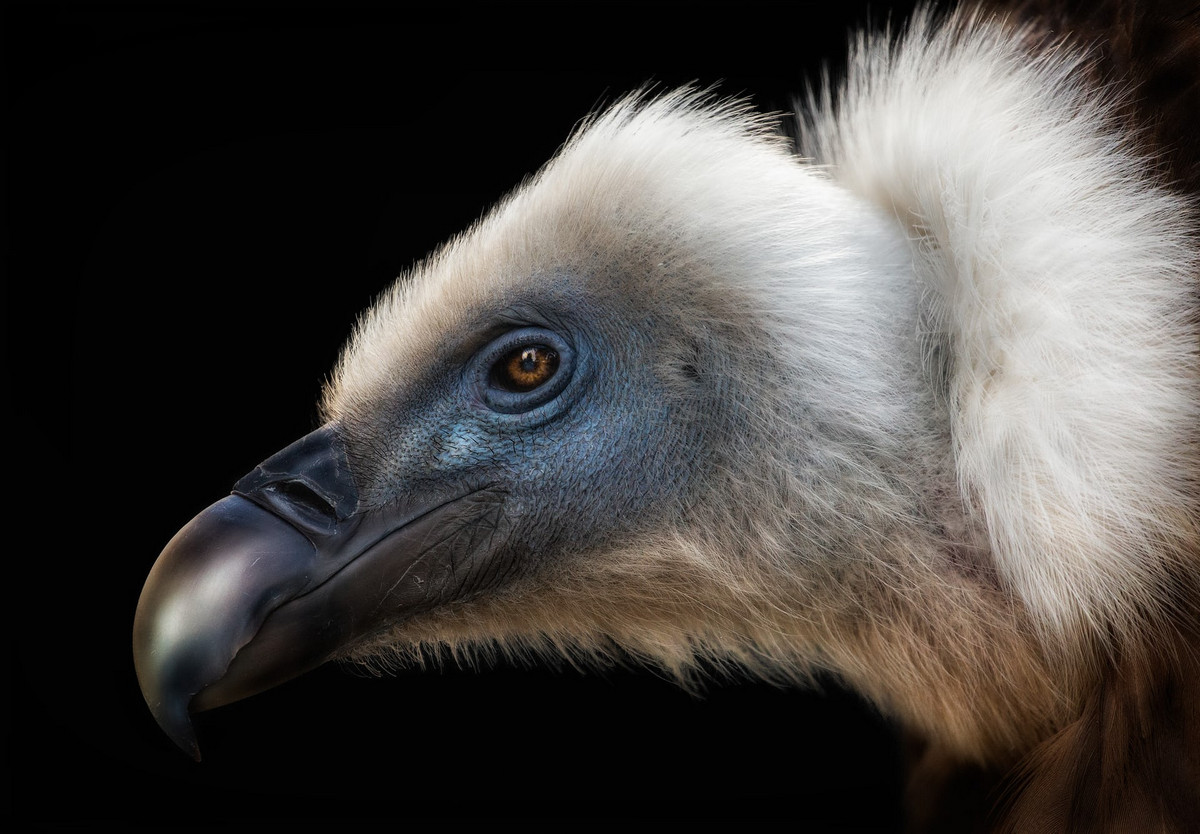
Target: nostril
{"type": "Point", "coordinates": [305, 502]}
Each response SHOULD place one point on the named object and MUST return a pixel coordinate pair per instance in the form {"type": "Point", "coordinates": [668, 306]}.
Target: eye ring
{"type": "Point", "coordinates": [523, 369]}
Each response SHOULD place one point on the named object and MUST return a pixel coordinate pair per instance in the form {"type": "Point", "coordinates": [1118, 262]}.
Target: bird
{"type": "Point", "coordinates": [908, 395]}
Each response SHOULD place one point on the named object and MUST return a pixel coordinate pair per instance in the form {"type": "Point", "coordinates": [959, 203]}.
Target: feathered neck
{"type": "Point", "coordinates": [1059, 280]}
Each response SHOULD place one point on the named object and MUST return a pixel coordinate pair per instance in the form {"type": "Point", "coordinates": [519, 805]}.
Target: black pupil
{"type": "Point", "coordinates": [525, 368]}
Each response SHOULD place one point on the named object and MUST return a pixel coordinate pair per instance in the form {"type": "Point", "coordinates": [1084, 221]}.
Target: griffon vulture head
{"type": "Point", "coordinates": [915, 404]}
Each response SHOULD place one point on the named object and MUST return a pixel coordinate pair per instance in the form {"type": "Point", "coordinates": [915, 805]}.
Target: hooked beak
{"type": "Point", "coordinates": [282, 575]}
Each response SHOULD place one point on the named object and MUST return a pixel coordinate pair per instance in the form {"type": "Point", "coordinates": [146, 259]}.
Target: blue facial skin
{"type": "Point", "coordinates": [593, 456]}
{"type": "Point", "coordinates": [451, 483]}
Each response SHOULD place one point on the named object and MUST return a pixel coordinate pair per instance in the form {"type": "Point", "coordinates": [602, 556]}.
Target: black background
{"type": "Point", "coordinates": [198, 201]}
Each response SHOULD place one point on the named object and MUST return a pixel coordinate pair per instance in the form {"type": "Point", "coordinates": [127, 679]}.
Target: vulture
{"type": "Point", "coordinates": [908, 395]}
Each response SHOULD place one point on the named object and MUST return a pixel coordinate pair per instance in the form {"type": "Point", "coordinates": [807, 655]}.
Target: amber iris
{"type": "Point", "coordinates": [525, 368]}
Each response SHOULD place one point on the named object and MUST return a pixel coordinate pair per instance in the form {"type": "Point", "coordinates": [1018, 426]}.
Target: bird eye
{"type": "Point", "coordinates": [525, 368]}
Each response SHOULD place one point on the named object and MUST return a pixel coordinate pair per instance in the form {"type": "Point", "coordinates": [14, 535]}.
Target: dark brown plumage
{"type": "Point", "coordinates": [1149, 52]}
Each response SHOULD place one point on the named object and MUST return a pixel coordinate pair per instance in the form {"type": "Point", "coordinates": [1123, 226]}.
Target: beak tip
{"type": "Point", "coordinates": [174, 719]}
{"type": "Point", "coordinates": [185, 738]}
{"type": "Point", "coordinates": [204, 599]}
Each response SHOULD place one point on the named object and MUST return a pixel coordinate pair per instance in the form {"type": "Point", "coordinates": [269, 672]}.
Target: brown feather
{"type": "Point", "coordinates": [1131, 761]}
{"type": "Point", "coordinates": [1149, 48]}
